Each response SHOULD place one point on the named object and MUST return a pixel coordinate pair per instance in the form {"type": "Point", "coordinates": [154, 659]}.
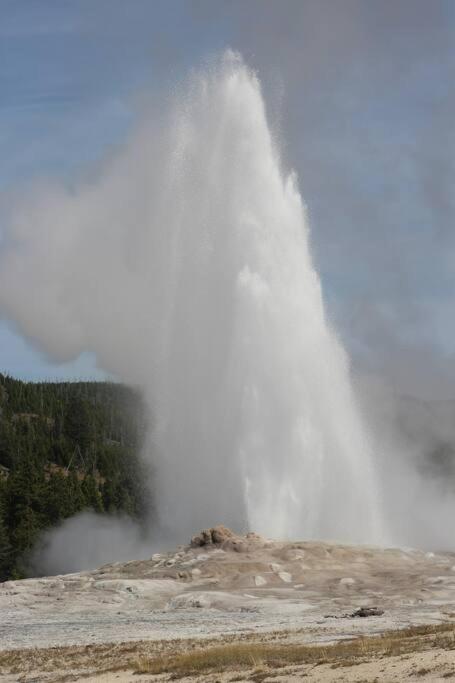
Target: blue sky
{"type": "Point", "coordinates": [361, 95]}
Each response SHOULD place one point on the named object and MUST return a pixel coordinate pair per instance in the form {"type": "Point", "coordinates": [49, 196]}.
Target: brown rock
{"type": "Point", "coordinates": [367, 612]}
{"type": "Point", "coordinates": [220, 534]}
{"type": "Point", "coordinates": [226, 539]}
{"type": "Point", "coordinates": [217, 535]}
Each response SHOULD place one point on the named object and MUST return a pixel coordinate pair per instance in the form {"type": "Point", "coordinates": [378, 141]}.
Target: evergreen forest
{"type": "Point", "coordinates": [65, 447]}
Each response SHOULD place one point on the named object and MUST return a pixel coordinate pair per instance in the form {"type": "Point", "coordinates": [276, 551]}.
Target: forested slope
{"type": "Point", "coordinates": [65, 447]}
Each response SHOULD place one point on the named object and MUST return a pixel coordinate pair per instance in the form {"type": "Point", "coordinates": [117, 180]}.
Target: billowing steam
{"type": "Point", "coordinates": [185, 266]}
{"type": "Point", "coordinates": [89, 540]}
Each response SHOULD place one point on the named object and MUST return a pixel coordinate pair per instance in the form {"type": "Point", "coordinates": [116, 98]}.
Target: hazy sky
{"type": "Point", "coordinates": [360, 93]}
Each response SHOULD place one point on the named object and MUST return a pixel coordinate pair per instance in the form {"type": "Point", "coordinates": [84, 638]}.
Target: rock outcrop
{"type": "Point", "coordinates": [217, 535]}
{"type": "Point", "coordinates": [222, 537]}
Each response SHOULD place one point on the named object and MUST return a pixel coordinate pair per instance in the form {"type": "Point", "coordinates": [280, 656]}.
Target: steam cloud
{"type": "Point", "coordinates": [185, 266]}
{"type": "Point", "coordinates": [87, 541]}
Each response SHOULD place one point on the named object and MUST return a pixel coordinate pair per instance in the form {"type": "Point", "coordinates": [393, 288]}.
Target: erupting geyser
{"type": "Point", "coordinates": [258, 417]}
{"type": "Point", "coordinates": [186, 267]}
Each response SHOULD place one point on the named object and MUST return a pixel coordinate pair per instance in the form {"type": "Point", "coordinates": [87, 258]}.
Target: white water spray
{"type": "Point", "coordinates": [259, 418]}
{"type": "Point", "coordinates": [186, 267]}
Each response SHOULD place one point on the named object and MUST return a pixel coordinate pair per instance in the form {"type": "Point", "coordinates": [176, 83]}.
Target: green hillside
{"type": "Point", "coordinates": [65, 447]}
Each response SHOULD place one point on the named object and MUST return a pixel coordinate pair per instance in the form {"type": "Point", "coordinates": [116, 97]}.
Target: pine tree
{"type": "Point", "coordinates": [6, 557]}
{"type": "Point", "coordinates": [59, 503]}
{"type": "Point", "coordinates": [91, 494]}
{"type": "Point", "coordinates": [78, 423]}
{"type": "Point", "coordinates": [27, 531]}
{"type": "Point", "coordinates": [5, 545]}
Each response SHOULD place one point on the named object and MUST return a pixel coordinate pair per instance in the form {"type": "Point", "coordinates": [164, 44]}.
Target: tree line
{"type": "Point", "coordinates": [65, 447]}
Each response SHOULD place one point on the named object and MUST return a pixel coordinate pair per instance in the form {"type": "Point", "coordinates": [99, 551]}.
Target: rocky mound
{"type": "Point", "coordinates": [225, 539]}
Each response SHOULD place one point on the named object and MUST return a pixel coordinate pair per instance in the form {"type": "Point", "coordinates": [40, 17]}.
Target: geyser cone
{"type": "Point", "coordinates": [198, 284]}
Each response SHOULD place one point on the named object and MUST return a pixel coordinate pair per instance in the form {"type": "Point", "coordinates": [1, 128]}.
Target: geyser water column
{"type": "Point", "coordinates": [185, 266]}
{"type": "Point", "coordinates": [259, 427]}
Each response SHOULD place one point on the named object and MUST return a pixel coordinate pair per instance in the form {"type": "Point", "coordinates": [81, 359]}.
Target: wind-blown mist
{"type": "Point", "coordinates": [185, 265]}
{"type": "Point", "coordinates": [87, 541]}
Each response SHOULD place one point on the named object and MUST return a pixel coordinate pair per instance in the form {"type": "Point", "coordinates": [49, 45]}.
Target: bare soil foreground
{"type": "Point", "coordinates": [230, 608]}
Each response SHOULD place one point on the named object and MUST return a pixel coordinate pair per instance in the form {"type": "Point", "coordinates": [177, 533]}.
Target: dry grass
{"type": "Point", "coordinates": [346, 653]}
{"type": "Point", "coordinates": [193, 657]}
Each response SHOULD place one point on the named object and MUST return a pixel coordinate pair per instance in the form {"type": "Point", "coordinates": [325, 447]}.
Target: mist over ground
{"type": "Point", "coordinates": [89, 540]}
